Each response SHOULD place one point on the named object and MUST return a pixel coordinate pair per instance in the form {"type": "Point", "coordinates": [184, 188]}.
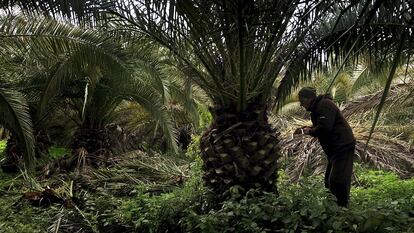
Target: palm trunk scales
{"type": "Point", "coordinates": [240, 148]}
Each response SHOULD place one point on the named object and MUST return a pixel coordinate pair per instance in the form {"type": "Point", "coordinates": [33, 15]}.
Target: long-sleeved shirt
{"type": "Point", "coordinates": [329, 126]}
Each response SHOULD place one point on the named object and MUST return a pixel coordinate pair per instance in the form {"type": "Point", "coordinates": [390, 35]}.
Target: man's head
{"type": "Point", "coordinates": [306, 96]}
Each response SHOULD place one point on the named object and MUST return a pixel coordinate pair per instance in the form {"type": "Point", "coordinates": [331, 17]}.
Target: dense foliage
{"type": "Point", "coordinates": [380, 202]}
{"type": "Point", "coordinates": [177, 116]}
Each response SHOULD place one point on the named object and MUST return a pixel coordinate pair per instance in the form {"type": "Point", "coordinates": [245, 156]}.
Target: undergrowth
{"type": "Point", "coordinates": [380, 202]}
{"type": "Point", "coordinates": [302, 207]}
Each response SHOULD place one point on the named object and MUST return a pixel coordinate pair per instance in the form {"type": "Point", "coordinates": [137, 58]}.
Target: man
{"type": "Point", "coordinates": [336, 138]}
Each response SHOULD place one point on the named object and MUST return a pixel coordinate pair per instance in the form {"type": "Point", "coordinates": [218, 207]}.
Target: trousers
{"type": "Point", "coordinates": [339, 173]}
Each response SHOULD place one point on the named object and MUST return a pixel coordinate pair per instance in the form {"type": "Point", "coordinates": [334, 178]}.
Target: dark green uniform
{"type": "Point", "coordinates": [338, 142]}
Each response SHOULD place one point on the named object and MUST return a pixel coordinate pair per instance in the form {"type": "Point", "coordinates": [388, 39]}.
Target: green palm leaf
{"type": "Point", "coordinates": [72, 48]}
{"type": "Point", "coordinates": [369, 30]}
{"type": "Point", "coordinates": [14, 115]}
{"type": "Point", "coordinates": [146, 97]}
{"type": "Point", "coordinates": [72, 55]}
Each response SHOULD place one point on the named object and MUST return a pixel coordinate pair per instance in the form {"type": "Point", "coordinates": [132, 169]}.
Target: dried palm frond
{"type": "Point", "coordinates": [138, 168]}
{"type": "Point", "coordinates": [71, 220]}
{"type": "Point", "coordinates": [300, 151]}
{"type": "Point", "coordinates": [368, 102]}
{"type": "Point", "coordinates": [384, 151]}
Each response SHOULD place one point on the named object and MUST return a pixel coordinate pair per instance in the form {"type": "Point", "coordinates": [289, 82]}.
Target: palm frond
{"type": "Point", "coordinates": [183, 96]}
{"type": "Point", "coordinates": [395, 64]}
{"type": "Point", "coordinates": [14, 115]}
{"type": "Point", "coordinates": [78, 11]}
{"type": "Point", "coordinates": [366, 29]}
{"type": "Point", "coordinates": [233, 63]}
{"type": "Point", "coordinates": [371, 101]}
{"type": "Point", "coordinates": [136, 167]}
{"type": "Point", "coordinates": [145, 95]}
{"type": "Point", "coordinates": [72, 48]}
{"type": "Point", "coordinates": [385, 151]}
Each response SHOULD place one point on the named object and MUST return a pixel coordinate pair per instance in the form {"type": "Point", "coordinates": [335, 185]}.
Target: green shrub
{"type": "Point", "coordinates": [54, 152]}
{"type": "Point", "coordinates": [16, 215]}
{"type": "Point", "coordinates": [307, 207]}
{"type": "Point", "coordinates": [24, 220]}
{"type": "Point", "coordinates": [303, 207]}
{"type": "Point", "coordinates": [57, 152]}
{"type": "Point", "coordinates": [383, 189]}
{"type": "Point", "coordinates": [382, 203]}
{"type": "Point", "coordinates": [205, 117]}
{"type": "Point", "coordinates": [160, 213]}
{"type": "Point", "coordinates": [193, 150]}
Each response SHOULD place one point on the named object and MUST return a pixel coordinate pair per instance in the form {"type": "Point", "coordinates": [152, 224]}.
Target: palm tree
{"type": "Point", "coordinates": [182, 100]}
{"type": "Point", "coordinates": [85, 69]}
{"type": "Point", "coordinates": [243, 46]}
{"type": "Point", "coordinates": [235, 50]}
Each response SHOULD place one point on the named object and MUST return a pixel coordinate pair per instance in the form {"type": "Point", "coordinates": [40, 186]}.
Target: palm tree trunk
{"type": "Point", "coordinates": [92, 142]}
{"type": "Point", "coordinates": [240, 148]}
{"type": "Point", "coordinates": [13, 156]}
{"type": "Point", "coordinates": [43, 143]}
{"type": "Point", "coordinates": [4, 134]}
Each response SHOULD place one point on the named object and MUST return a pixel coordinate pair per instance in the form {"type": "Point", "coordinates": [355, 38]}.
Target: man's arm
{"type": "Point", "coordinates": [326, 119]}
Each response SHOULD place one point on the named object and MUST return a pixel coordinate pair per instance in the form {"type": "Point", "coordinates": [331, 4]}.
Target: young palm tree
{"type": "Point", "coordinates": [181, 98]}
{"type": "Point", "coordinates": [235, 50]}
{"type": "Point", "coordinates": [40, 56]}
{"type": "Point", "coordinates": [89, 69]}
{"type": "Point", "coordinates": [16, 67]}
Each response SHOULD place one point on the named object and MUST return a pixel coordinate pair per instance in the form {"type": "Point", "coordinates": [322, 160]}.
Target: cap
{"type": "Point", "coordinates": [307, 93]}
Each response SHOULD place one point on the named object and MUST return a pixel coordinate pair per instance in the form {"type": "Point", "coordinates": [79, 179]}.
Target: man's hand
{"type": "Point", "coordinates": [298, 131]}
{"type": "Point", "coordinates": [306, 130]}
{"type": "Point", "coordinates": [302, 130]}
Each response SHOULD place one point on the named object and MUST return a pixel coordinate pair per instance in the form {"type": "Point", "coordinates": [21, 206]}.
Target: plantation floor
{"type": "Point", "coordinates": [150, 195]}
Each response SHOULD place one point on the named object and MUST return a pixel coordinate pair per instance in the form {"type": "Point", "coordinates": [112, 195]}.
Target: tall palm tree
{"type": "Point", "coordinates": [235, 50]}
